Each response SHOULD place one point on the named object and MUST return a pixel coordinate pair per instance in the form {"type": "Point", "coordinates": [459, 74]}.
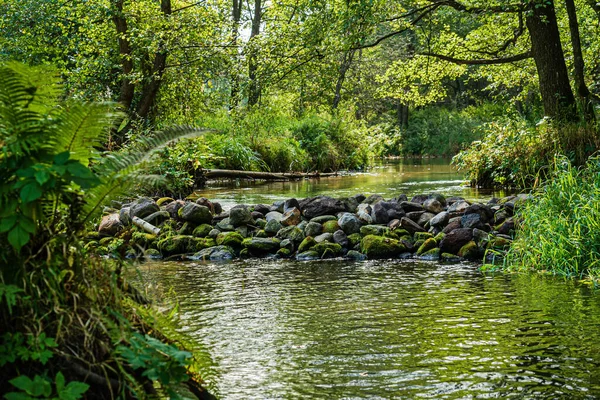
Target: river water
{"type": "Point", "coordinates": [390, 329]}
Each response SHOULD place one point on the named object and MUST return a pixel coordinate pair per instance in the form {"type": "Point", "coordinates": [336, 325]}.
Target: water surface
{"type": "Point", "coordinates": [386, 330]}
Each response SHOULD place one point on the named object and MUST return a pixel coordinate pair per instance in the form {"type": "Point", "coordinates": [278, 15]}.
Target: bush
{"type": "Point", "coordinates": [560, 228]}
{"type": "Point", "coordinates": [514, 154]}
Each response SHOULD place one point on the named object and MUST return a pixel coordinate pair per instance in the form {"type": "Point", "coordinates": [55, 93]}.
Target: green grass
{"type": "Point", "coordinates": [560, 230]}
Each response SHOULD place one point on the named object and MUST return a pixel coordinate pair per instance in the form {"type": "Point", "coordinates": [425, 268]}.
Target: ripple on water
{"type": "Point", "coordinates": [387, 329]}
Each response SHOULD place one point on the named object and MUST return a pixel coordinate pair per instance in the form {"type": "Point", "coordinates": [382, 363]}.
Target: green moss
{"type": "Point", "coordinates": [261, 234]}
{"type": "Point", "coordinates": [186, 229]}
{"type": "Point", "coordinates": [448, 257]}
{"type": "Point", "coordinates": [499, 243]}
{"type": "Point", "coordinates": [202, 230]}
{"type": "Point", "coordinates": [261, 245]}
{"type": "Point", "coordinates": [233, 239]}
{"type": "Point", "coordinates": [439, 237]}
{"type": "Point", "coordinates": [470, 251]}
{"type": "Point", "coordinates": [333, 249]}
{"type": "Point", "coordinates": [354, 239]}
{"type": "Point", "coordinates": [379, 247]}
{"type": "Point", "coordinates": [330, 226]}
{"type": "Point", "coordinates": [418, 243]}
{"type": "Point", "coordinates": [307, 256]}
{"type": "Point", "coordinates": [391, 235]}
{"type": "Point", "coordinates": [401, 232]}
{"type": "Point", "coordinates": [164, 200]}
{"type": "Point", "coordinates": [284, 253]}
{"type": "Point", "coordinates": [376, 230]}
{"type": "Point", "coordinates": [422, 236]}
{"type": "Point", "coordinates": [433, 254]}
{"type": "Point", "coordinates": [181, 244]}
{"type": "Point", "coordinates": [426, 246]}
{"type": "Point", "coordinates": [197, 244]}
{"type": "Point", "coordinates": [306, 244]}
{"type": "Point", "coordinates": [142, 239]}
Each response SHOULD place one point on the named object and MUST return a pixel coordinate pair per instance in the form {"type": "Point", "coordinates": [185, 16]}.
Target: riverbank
{"type": "Point", "coordinates": [428, 227]}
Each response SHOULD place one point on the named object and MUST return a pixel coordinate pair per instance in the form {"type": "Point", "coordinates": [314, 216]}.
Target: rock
{"type": "Point", "coordinates": [181, 244]}
{"type": "Point", "coordinates": [354, 239]}
{"type": "Point", "coordinates": [225, 225]}
{"type": "Point", "coordinates": [433, 206]}
{"type": "Point", "coordinates": [422, 236]}
{"type": "Point", "coordinates": [261, 234]}
{"type": "Point", "coordinates": [142, 239]}
{"type": "Point", "coordinates": [400, 198]}
{"type": "Point", "coordinates": [261, 245]}
{"type": "Point", "coordinates": [410, 226]}
{"type": "Point", "coordinates": [283, 253]}
{"type": "Point", "coordinates": [452, 225]}
{"type": "Point", "coordinates": [507, 227]}
{"type": "Point", "coordinates": [327, 250]}
{"type": "Point", "coordinates": [431, 255]}
{"type": "Point", "coordinates": [291, 232]}
{"type": "Point", "coordinates": [330, 226]}
{"type": "Point", "coordinates": [364, 217]}
{"type": "Point", "coordinates": [426, 246]}
{"type": "Point", "coordinates": [302, 225]}
{"type": "Point", "coordinates": [425, 218]}
{"type": "Point", "coordinates": [447, 257]}
{"type": "Point", "coordinates": [217, 207]}
{"type": "Point", "coordinates": [377, 230]}
{"type": "Point", "coordinates": [439, 197]}
{"type": "Point", "coordinates": [173, 207]}
{"type": "Point", "coordinates": [240, 215]}
{"type": "Point", "coordinates": [419, 198]}
{"type": "Point", "coordinates": [313, 229]}
{"type": "Point", "coordinates": [195, 213]}
{"type": "Point", "coordinates": [276, 215]}
{"type": "Point", "coordinates": [351, 204]}
{"type": "Point", "coordinates": [215, 253]}
{"type": "Point", "coordinates": [470, 251]}
{"type": "Point", "coordinates": [324, 237]}
{"type": "Point", "coordinates": [501, 215]}
{"type": "Point", "coordinates": [380, 247]}
{"type": "Point", "coordinates": [124, 216]}
{"type": "Point", "coordinates": [456, 239]}
{"type": "Point", "coordinates": [379, 213]}
{"type": "Point", "coordinates": [408, 206]}
{"type": "Point", "coordinates": [231, 239]}
{"type": "Point", "coordinates": [287, 244]}
{"type": "Point", "coordinates": [214, 233]}
{"type": "Point", "coordinates": [414, 215]}
{"type": "Point", "coordinates": [472, 221]}
{"type": "Point", "coordinates": [186, 229]}
{"type": "Point", "coordinates": [152, 254]}
{"type": "Point", "coordinates": [373, 199]}
{"type": "Point", "coordinates": [110, 225]}
{"type": "Point", "coordinates": [291, 217]}
{"type": "Point", "coordinates": [308, 256]}
{"type": "Point", "coordinates": [273, 226]}
{"type": "Point", "coordinates": [340, 238]}
{"type": "Point", "coordinates": [306, 244]}
{"type": "Point", "coordinates": [143, 207]}
{"type": "Point", "coordinates": [277, 206]}
{"type": "Point", "coordinates": [202, 230]}
{"type": "Point", "coordinates": [480, 235]}
{"type": "Point", "coordinates": [355, 255]}
{"type": "Point", "coordinates": [440, 220]}
{"type": "Point", "coordinates": [256, 216]}
{"type": "Point", "coordinates": [157, 218]}
{"type": "Point", "coordinates": [458, 207]}
{"type": "Point", "coordinates": [324, 218]}
{"type": "Point", "coordinates": [289, 204]}
{"type": "Point", "coordinates": [262, 208]}
{"type": "Point", "coordinates": [322, 205]}
{"type": "Point", "coordinates": [203, 201]}
{"type": "Point", "coordinates": [484, 211]}
{"type": "Point", "coordinates": [359, 198]}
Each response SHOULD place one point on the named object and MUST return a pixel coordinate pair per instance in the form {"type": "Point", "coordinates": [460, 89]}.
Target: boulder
{"type": "Point", "coordinates": [472, 221]}
{"type": "Point", "coordinates": [143, 207]}
{"type": "Point", "coordinates": [485, 211]}
{"type": "Point", "coordinates": [381, 247]}
{"type": "Point", "coordinates": [355, 256]}
{"type": "Point", "coordinates": [322, 205]}
{"type": "Point", "coordinates": [225, 225]}
{"type": "Point", "coordinates": [306, 244]}
{"type": "Point", "coordinates": [240, 215]}
{"type": "Point", "coordinates": [110, 225]}
{"type": "Point", "coordinates": [291, 217]}
{"type": "Point", "coordinates": [273, 226]}
{"type": "Point", "coordinates": [262, 208]}
{"type": "Point", "coordinates": [291, 232]}
{"type": "Point", "coordinates": [455, 240]}
{"type": "Point", "coordinates": [313, 229]}
{"type": "Point", "coordinates": [410, 226]}
{"type": "Point", "coordinates": [324, 218]}
{"type": "Point", "coordinates": [373, 199]}
{"type": "Point", "coordinates": [276, 215]}
{"type": "Point", "coordinates": [470, 251]}
{"type": "Point", "coordinates": [124, 216]}
{"type": "Point", "coordinates": [289, 204]}
{"type": "Point", "coordinates": [231, 239]}
{"type": "Point", "coordinates": [359, 198]}
{"type": "Point", "coordinates": [507, 227]}
{"type": "Point", "coordinates": [433, 206]}
{"type": "Point", "coordinates": [409, 206]}
{"type": "Point", "coordinates": [308, 256]}
{"type": "Point", "coordinates": [425, 218]}
{"type": "Point", "coordinates": [157, 218]}
{"type": "Point", "coordinates": [287, 244]}
{"type": "Point", "coordinates": [203, 201]}
{"type": "Point", "coordinates": [440, 220]}
{"type": "Point", "coordinates": [340, 238]}
{"type": "Point", "coordinates": [458, 207]}
{"type": "Point", "coordinates": [261, 245]}
{"type": "Point", "coordinates": [195, 213]}
{"type": "Point", "coordinates": [327, 250]}
{"type": "Point", "coordinates": [379, 213]}
{"type": "Point", "coordinates": [419, 198]}
{"type": "Point", "coordinates": [202, 230]}
{"type": "Point", "coordinates": [452, 225]}
{"type": "Point", "coordinates": [431, 255]}
{"type": "Point", "coordinates": [324, 237]}
{"type": "Point", "coordinates": [330, 226]}
{"type": "Point", "coordinates": [215, 253]}
{"type": "Point", "coordinates": [377, 230]}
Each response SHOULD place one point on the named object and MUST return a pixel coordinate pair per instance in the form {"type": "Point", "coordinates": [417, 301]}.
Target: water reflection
{"type": "Point", "coordinates": [389, 179]}
{"type": "Point", "coordinates": [387, 329]}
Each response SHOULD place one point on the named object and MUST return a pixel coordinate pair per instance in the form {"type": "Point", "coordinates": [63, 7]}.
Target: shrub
{"type": "Point", "coordinates": [560, 228]}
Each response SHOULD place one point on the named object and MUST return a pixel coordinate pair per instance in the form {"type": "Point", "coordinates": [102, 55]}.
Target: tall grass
{"type": "Point", "coordinates": [560, 231]}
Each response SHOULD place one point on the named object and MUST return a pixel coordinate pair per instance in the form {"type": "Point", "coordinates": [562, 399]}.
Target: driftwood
{"type": "Point", "coordinates": [269, 176]}
{"type": "Point", "coordinates": [148, 227]}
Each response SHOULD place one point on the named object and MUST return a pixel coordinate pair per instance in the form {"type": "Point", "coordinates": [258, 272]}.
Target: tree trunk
{"type": "Point", "coordinates": [236, 14]}
{"type": "Point", "coordinates": [127, 87]}
{"type": "Point", "coordinates": [402, 115]}
{"type": "Point", "coordinates": [344, 67]}
{"type": "Point", "coordinates": [583, 93]}
{"type": "Point", "coordinates": [254, 87]}
{"type": "Point", "coordinates": [557, 96]}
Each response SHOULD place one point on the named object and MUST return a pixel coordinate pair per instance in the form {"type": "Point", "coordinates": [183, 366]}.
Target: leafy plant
{"type": "Point", "coordinates": [41, 388]}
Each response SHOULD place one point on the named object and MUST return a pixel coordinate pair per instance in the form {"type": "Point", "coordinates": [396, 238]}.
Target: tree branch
{"type": "Point", "coordinates": [491, 61]}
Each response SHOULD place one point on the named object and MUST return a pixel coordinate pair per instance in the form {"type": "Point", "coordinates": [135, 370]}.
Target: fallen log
{"type": "Point", "coordinates": [148, 227]}
{"type": "Point", "coordinates": [269, 176]}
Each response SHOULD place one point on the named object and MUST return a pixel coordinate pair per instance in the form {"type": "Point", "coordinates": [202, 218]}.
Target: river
{"type": "Point", "coordinates": [392, 329]}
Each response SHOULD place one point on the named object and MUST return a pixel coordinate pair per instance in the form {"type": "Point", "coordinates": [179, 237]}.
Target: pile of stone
{"type": "Point", "coordinates": [429, 227]}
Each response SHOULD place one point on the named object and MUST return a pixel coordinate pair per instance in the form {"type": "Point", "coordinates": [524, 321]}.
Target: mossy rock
{"type": "Point", "coordinates": [308, 256]}
{"type": "Point", "coordinates": [499, 243]}
{"type": "Point", "coordinates": [152, 254]}
{"type": "Point", "coordinates": [105, 241]}
{"type": "Point", "coordinates": [380, 247]}
{"type": "Point", "coordinates": [331, 226]}
{"type": "Point", "coordinates": [391, 235]}
{"type": "Point", "coordinates": [356, 255]}
{"type": "Point", "coordinates": [284, 253]}
{"type": "Point", "coordinates": [470, 251]}
{"type": "Point", "coordinates": [202, 230]}
{"type": "Point", "coordinates": [426, 246]}
{"type": "Point", "coordinates": [431, 255]}
{"type": "Point", "coordinates": [422, 236]}
{"type": "Point", "coordinates": [215, 253]}
{"type": "Point", "coordinates": [261, 234]}
{"type": "Point", "coordinates": [418, 243]}
{"type": "Point", "coordinates": [306, 244]}
{"type": "Point", "coordinates": [164, 201]}
{"type": "Point", "coordinates": [439, 237]}
{"type": "Point", "coordinates": [186, 229]}
{"type": "Point", "coordinates": [261, 245]}
{"type": "Point", "coordinates": [181, 244]}
{"type": "Point", "coordinates": [354, 239]}
{"type": "Point", "coordinates": [333, 249]}
{"type": "Point", "coordinates": [401, 232]}
{"type": "Point", "coordinates": [142, 239]}
{"type": "Point", "coordinates": [447, 257]}
{"type": "Point", "coordinates": [197, 244]}
{"type": "Point", "coordinates": [261, 223]}
{"type": "Point", "coordinates": [376, 230]}
{"type": "Point", "coordinates": [232, 239]}
{"type": "Point", "coordinates": [324, 218]}
{"type": "Point", "coordinates": [245, 253]}
{"type": "Point", "coordinates": [169, 228]}
{"type": "Point", "coordinates": [293, 233]}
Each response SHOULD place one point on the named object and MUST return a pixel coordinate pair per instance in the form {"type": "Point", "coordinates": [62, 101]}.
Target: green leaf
{"type": "Point", "coordinates": [27, 224]}
{"type": "Point", "coordinates": [40, 387]}
{"type": "Point", "coordinates": [17, 396]}
{"type": "Point", "coordinates": [18, 237]}
{"type": "Point", "coordinates": [22, 382]}
{"type": "Point", "coordinates": [6, 224]}
{"type": "Point", "coordinates": [62, 158]}
{"type": "Point", "coordinates": [73, 391]}
{"type": "Point", "coordinates": [42, 176]}
{"type": "Point", "coordinates": [59, 381]}
{"type": "Point", "coordinates": [79, 170]}
{"type": "Point", "coordinates": [31, 192]}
